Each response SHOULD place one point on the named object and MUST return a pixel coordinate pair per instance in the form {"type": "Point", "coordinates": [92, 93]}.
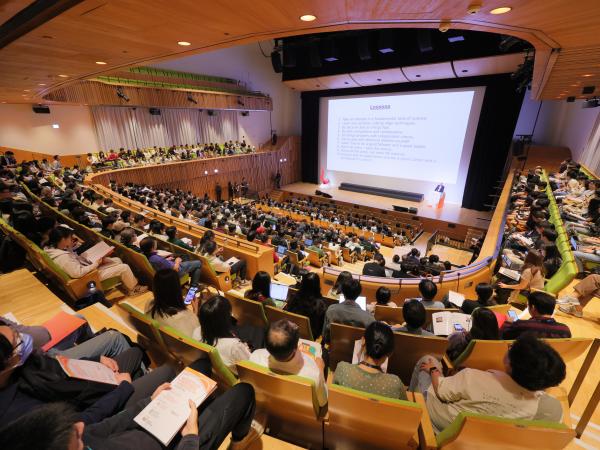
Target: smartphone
{"type": "Point", "coordinates": [458, 327]}
{"type": "Point", "coordinates": [513, 315]}
{"type": "Point", "coordinates": [190, 295]}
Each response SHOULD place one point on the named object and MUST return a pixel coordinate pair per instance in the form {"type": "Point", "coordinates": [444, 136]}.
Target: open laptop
{"type": "Point", "coordinates": [279, 292]}
{"type": "Point", "coordinates": [308, 242]}
{"type": "Point", "coordinates": [281, 250]}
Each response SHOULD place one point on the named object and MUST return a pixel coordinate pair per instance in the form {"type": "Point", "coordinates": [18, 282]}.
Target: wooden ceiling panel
{"type": "Point", "coordinates": [307, 84]}
{"type": "Point", "coordinates": [488, 66]}
{"type": "Point", "coordinates": [374, 77]}
{"type": "Point", "coordinates": [135, 32]}
{"type": "Point", "coordinates": [437, 71]}
{"type": "Point", "coordinates": [337, 81]}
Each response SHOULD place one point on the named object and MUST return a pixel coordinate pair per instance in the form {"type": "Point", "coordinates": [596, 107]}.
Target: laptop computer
{"type": "Point", "coordinates": [279, 291]}
{"type": "Point", "coordinates": [308, 242]}
{"type": "Point", "coordinates": [281, 250]}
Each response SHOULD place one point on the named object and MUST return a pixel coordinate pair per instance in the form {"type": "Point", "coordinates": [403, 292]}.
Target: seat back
{"type": "Point", "coordinates": [148, 334]}
{"type": "Point", "coordinates": [313, 258]}
{"type": "Point", "coordinates": [500, 309]}
{"type": "Point", "coordinates": [292, 257]}
{"type": "Point", "coordinates": [359, 420]}
{"type": "Point", "coordinates": [389, 314]}
{"type": "Point", "coordinates": [476, 431]}
{"type": "Point", "coordinates": [288, 401]}
{"type": "Point", "coordinates": [274, 314]}
{"type": "Point", "coordinates": [247, 312]}
{"type": "Point", "coordinates": [409, 348]}
{"type": "Point", "coordinates": [341, 345]}
{"type": "Point", "coordinates": [183, 349]}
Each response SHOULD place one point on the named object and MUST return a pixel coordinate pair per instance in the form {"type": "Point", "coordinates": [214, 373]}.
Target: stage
{"type": "Point", "coordinates": [451, 213]}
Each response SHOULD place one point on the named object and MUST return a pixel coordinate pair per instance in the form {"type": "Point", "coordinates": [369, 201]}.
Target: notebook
{"type": "Point", "coordinates": [97, 252]}
{"type": "Point", "coordinates": [512, 274]}
{"type": "Point", "coordinates": [60, 326]}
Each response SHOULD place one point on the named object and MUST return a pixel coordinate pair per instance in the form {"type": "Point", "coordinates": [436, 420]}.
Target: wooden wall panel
{"type": "Point", "coordinates": [199, 176]}
{"type": "Point", "coordinates": [28, 155]}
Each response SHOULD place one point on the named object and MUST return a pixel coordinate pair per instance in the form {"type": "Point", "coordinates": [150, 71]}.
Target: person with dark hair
{"type": "Point", "coordinates": [485, 297]}
{"type": "Point", "coordinates": [171, 233]}
{"type": "Point", "coordinates": [238, 268]}
{"type": "Point", "coordinates": [193, 267]}
{"type": "Point", "coordinates": [218, 330]}
{"type": "Point", "coordinates": [282, 355]}
{"type": "Point", "coordinates": [347, 312]}
{"type": "Point", "coordinates": [368, 375]}
{"type": "Point", "coordinates": [375, 268]}
{"type": "Point", "coordinates": [541, 324]}
{"type": "Point", "coordinates": [531, 366]}
{"type": "Point", "coordinates": [107, 226]}
{"type": "Point", "coordinates": [58, 427]}
{"type": "Point", "coordinates": [532, 276]}
{"type": "Point", "coordinates": [336, 290]}
{"type": "Point", "coordinates": [167, 306]}
{"type": "Point", "coordinates": [552, 260]}
{"type": "Point", "coordinates": [60, 249]}
{"type": "Point", "coordinates": [415, 316]}
{"type": "Point", "coordinates": [261, 289]}
{"type": "Point", "coordinates": [382, 298]}
{"type": "Point", "coordinates": [484, 326]}
{"type": "Point", "coordinates": [428, 291]}
{"type": "Point", "coordinates": [307, 301]}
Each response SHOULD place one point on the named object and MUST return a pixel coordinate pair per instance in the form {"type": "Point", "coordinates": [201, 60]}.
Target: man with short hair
{"type": "Point", "coordinates": [428, 291]}
{"type": "Point", "coordinates": [414, 315]}
{"type": "Point", "coordinates": [282, 355]}
{"type": "Point", "coordinates": [347, 312]}
{"type": "Point", "coordinates": [375, 268]}
{"type": "Point", "coordinates": [541, 307]}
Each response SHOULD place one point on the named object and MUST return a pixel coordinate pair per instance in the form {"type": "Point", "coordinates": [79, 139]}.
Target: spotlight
{"type": "Point", "coordinates": [192, 99]}
{"type": "Point", "coordinates": [330, 53]}
{"type": "Point", "coordinates": [121, 94]}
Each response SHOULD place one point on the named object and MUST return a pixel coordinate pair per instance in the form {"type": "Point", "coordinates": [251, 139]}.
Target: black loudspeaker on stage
{"type": "Point", "coordinates": [410, 209]}
{"type": "Point", "coordinates": [323, 194]}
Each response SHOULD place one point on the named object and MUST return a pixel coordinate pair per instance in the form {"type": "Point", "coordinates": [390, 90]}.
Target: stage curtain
{"type": "Point", "coordinates": [309, 143]}
{"type": "Point", "coordinates": [127, 127]}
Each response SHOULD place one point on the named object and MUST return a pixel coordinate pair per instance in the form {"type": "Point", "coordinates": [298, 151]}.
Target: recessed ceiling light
{"type": "Point", "coordinates": [501, 10]}
{"type": "Point", "coordinates": [183, 43]}
{"type": "Point", "coordinates": [25, 90]}
{"type": "Point", "coordinates": [587, 75]}
{"type": "Point", "coordinates": [42, 84]}
{"type": "Point", "coordinates": [64, 76]}
{"type": "Point", "coordinates": [102, 63]}
{"type": "Point", "coordinates": [55, 125]}
{"type": "Point", "coordinates": [307, 18]}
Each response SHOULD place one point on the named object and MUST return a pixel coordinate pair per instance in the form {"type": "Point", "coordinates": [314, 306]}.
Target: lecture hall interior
{"type": "Point", "coordinates": [301, 224]}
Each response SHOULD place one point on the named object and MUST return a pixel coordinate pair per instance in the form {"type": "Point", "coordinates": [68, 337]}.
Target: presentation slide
{"type": "Point", "coordinates": [407, 141]}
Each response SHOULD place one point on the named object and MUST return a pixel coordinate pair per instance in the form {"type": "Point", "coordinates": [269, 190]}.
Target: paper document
{"type": "Point", "coordinates": [358, 355]}
{"type": "Point", "coordinates": [446, 323]}
{"type": "Point", "coordinates": [456, 298]}
{"type": "Point", "coordinates": [60, 326]}
{"type": "Point", "coordinates": [512, 274]}
{"type": "Point", "coordinates": [310, 348]}
{"type": "Point", "coordinates": [10, 316]}
{"type": "Point", "coordinates": [165, 415]}
{"type": "Point", "coordinates": [164, 253]}
{"type": "Point", "coordinates": [87, 370]}
{"type": "Point", "coordinates": [140, 238]}
{"type": "Point", "coordinates": [97, 252]}
{"type": "Point", "coordinates": [231, 261]}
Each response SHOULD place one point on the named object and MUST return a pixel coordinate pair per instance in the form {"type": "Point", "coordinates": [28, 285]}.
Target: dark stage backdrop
{"type": "Point", "coordinates": [497, 121]}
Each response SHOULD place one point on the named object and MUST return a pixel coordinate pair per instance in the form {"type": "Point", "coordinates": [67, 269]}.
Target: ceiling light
{"type": "Point", "coordinates": [216, 170]}
{"type": "Point", "coordinates": [55, 125]}
{"type": "Point", "coordinates": [206, 172]}
{"type": "Point", "coordinates": [25, 90]}
{"type": "Point", "coordinates": [307, 18]}
{"type": "Point", "coordinates": [102, 63]}
{"type": "Point", "coordinates": [183, 43]}
{"type": "Point", "coordinates": [64, 76]}
{"type": "Point", "coordinates": [501, 10]}
{"type": "Point", "coordinates": [587, 75]}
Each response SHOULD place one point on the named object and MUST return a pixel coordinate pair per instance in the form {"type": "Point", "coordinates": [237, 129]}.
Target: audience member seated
{"type": "Point", "coordinates": [348, 312]}
{"type": "Point", "coordinates": [484, 327]}
{"type": "Point", "coordinates": [282, 355]}
{"type": "Point", "coordinates": [167, 306]}
{"type": "Point", "coordinates": [375, 268]}
{"type": "Point", "coordinates": [218, 331]}
{"type": "Point", "coordinates": [173, 239]}
{"type": "Point", "coordinates": [336, 290]}
{"type": "Point", "coordinates": [531, 276]}
{"type": "Point", "coordinates": [428, 291]}
{"type": "Point", "coordinates": [382, 298]}
{"type": "Point", "coordinates": [415, 316]}
{"type": "Point", "coordinates": [368, 375]}
{"type": "Point", "coordinates": [485, 297]}
{"type": "Point", "coordinates": [60, 249]}
{"type": "Point", "coordinates": [193, 268]}
{"type": "Point", "coordinates": [584, 291]}
{"type": "Point", "coordinates": [308, 301]}
{"type": "Point", "coordinates": [212, 253]}
{"type": "Point", "coordinates": [261, 289]}
{"type": "Point", "coordinates": [541, 324]}
{"type": "Point", "coordinates": [531, 366]}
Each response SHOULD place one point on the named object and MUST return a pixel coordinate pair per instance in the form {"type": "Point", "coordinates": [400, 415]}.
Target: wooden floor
{"type": "Point", "coordinates": [449, 213]}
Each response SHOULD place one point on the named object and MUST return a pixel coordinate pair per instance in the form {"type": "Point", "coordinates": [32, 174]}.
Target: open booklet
{"type": "Point", "coordinates": [446, 322]}
{"type": "Point", "coordinates": [512, 274]}
{"type": "Point", "coordinates": [97, 252]}
{"type": "Point", "coordinates": [311, 348]}
{"type": "Point", "coordinates": [231, 261]}
{"type": "Point", "coordinates": [164, 416]}
{"type": "Point", "coordinates": [456, 298]}
{"type": "Point", "coordinates": [87, 370]}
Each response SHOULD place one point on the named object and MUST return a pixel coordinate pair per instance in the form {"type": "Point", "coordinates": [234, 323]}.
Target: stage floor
{"type": "Point", "coordinates": [449, 213]}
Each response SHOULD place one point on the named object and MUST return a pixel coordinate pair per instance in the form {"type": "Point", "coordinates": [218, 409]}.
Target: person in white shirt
{"type": "Point", "coordinates": [282, 355]}
{"type": "Point", "coordinates": [217, 330]}
{"type": "Point", "coordinates": [531, 366]}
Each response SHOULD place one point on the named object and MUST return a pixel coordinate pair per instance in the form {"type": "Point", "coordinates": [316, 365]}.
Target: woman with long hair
{"type": "Point", "coordinates": [484, 326]}
{"type": "Point", "coordinates": [309, 302]}
{"type": "Point", "coordinates": [336, 290]}
{"type": "Point", "coordinates": [532, 275]}
{"type": "Point", "coordinates": [261, 289]}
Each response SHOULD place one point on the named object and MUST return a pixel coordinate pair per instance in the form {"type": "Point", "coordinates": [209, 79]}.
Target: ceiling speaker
{"type": "Point", "coordinates": [276, 62]}
{"type": "Point", "coordinates": [41, 109]}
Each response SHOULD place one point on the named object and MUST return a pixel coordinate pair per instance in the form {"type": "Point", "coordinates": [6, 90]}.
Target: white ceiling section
{"type": "Point", "coordinates": [491, 65]}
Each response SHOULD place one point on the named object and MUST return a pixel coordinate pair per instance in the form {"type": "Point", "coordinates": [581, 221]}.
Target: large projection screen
{"type": "Point", "coordinates": [409, 141]}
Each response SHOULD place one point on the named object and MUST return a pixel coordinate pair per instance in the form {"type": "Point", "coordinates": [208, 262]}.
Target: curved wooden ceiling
{"type": "Point", "coordinates": [133, 32]}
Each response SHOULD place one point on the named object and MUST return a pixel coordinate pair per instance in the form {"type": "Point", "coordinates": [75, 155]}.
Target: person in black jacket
{"type": "Point", "coordinates": [375, 268]}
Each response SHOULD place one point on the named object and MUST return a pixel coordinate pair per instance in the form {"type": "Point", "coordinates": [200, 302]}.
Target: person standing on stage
{"type": "Point", "coordinates": [230, 190]}
{"type": "Point", "coordinates": [244, 187]}
{"type": "Point", "coordinates": [218, 191]}
{"type": "Point", "coordinates": [278, 180]}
